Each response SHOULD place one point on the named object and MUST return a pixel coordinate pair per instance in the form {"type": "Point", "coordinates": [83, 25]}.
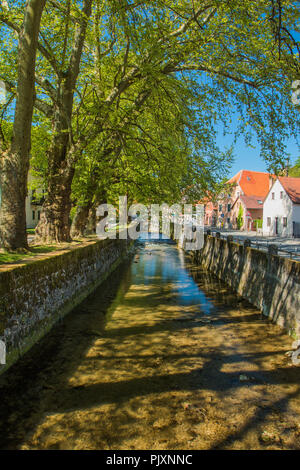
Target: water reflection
{"type": "Point", "coordinates": [136, 367]}
{"type": "Point", "coordinates": [160, 263]}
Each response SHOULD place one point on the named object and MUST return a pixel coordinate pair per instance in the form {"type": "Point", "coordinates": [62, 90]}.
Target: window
{"type": "Point", "coordinates": [33, 215]}
{"type": "Point", "coordinates": [228, 207]}
{"type": "Point", "coordinates": [281, 194]}
{"type": "Point", "coordinates": [228, 220]}
{"type": "Point", "coordinates": [273, 195]}
{"type": "Point", "coordinates": [39, 215]}
{"type": "Point", "coordinates": [284, 221]}
{"type": "Point", "coordinates": [220, 207]}
{"type": "Point", "coordinates": [268, 221]}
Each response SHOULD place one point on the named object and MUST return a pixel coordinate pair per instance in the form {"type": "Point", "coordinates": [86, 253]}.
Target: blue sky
{"type": "Point", "coordinates": [248, 158]}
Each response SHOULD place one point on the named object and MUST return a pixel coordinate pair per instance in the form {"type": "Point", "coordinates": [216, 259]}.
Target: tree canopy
{"type": "Point", "coordinates": [129, 96]}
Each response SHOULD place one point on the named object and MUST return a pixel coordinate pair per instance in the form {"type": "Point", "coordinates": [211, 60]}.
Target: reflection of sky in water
{"type": "Point", "coordinates": [161, 263]}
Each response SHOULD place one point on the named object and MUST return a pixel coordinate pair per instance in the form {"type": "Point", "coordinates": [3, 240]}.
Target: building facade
{"type": "Point", "coordinates": [282, 208]}
{"type": "Point", "coordinates": [241, 207]}
{"type": "Point", "coordinates": [33, 208]}
{"type": "Point", "coordinates": [210, 214]}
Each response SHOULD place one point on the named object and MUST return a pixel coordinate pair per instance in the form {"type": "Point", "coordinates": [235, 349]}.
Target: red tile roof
{"type": "Point", "coordinates": [252, 202]}
{"type": "Point", "coordinates": [253, 183]}
{"type": "Point", "coordinates": [292, 187]}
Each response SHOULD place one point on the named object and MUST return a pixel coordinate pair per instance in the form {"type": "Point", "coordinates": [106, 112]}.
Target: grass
{"type": "Point", "coordinates": [31, 231]}
{"type": "Point", "coordinates": [8, 258]}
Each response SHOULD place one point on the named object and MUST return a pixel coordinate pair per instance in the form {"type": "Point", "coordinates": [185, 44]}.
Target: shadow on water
{"type": "Point", "coordinates": [153, 359]}
{"type": "Point", "coordinates": [22, 386]}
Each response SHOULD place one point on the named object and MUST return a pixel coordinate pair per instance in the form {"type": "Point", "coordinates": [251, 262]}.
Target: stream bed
{"type": "Point", "coordinates": [161, 356]}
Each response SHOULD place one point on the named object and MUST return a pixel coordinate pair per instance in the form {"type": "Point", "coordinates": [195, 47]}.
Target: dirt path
{"type": "Point", "coordinates": [177, 362]}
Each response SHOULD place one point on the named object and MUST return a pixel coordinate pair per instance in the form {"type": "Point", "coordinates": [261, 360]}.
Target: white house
{"type": "Point", "coordinates": [281, 214]}
{"type": "Point", "coordinates": [34, 202]}
{"type": "Point", "coordinates": [33, 207]}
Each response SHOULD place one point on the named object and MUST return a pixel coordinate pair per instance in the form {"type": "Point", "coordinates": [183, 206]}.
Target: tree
{"type": "Point", "coordinates": [54, 224]}
{"type": "Point", "coordinates": [14, 157]}
{"type": "Point", "coordinates": [284, 18]}
{"type": "Point", "coordinates": [295, 170]}
{"type": "Point", "coordinates": [220, 53]}
{"type": "Point", "coordinates": [160, 40]}
{"type": "Point", "coordinates": [240, 220]}
{"type": "Point", "coordinates": [142, 155]}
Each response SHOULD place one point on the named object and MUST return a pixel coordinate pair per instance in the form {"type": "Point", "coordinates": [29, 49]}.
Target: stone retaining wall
{"type": "Point", "coordinates": [35, 295]}
{"type": "Point", "coordinates": [268, 281]}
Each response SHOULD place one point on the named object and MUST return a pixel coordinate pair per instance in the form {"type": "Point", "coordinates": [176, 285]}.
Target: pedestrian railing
{"type": "Point", "coordinates": [263, 245]}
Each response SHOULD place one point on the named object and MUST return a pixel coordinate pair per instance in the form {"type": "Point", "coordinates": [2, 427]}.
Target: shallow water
{"type": "Point", "coordinates": [161, 356]}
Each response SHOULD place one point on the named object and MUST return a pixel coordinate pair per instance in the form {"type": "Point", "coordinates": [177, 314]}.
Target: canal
{"type": "Point", "coordinates": [161, 356]}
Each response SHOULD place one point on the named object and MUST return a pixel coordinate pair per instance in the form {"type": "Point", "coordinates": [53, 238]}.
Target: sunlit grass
{"type": "Point", "coordinates": [8, 258]}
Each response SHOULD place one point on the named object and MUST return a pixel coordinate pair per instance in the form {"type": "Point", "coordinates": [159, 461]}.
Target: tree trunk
{"type": "Point", "coordinates": [54, 225]}
{"type": "Point", "coordinates": [80, 221]}
{"type": "Point", "coordinates": [13, 195]}
{"type": "Point", "coordinates": [85, 220]}
{"type": "Point", "coordinates": [91, 222]}
{"type": "Point", "coordinates": [15, 162]}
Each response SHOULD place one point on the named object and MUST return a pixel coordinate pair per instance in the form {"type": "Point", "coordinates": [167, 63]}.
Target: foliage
{"type": "Point", "coordinates": [240, 219]}
{"type": "Point", "coordinates": [154, 82]}
{"type": "Point", "coordinates": [295, 170]}
{"type": "Point", "coordinates": [258, 223]}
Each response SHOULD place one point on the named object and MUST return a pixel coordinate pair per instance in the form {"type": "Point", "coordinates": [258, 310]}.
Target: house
{"type": "Point", "coordinates": [33, 204]}
{"type": "Point", "coordinates": [33, 208]}
{"type": "Point", "coordinates": [282, 208]}
{"type": "Point", "coordinates": [210, 213]}
{"type": "Point", "coordinates": [242, 206]}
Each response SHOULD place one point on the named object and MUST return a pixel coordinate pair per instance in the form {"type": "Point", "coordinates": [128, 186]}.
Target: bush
{"type": "Point", "coordinates": [258, 223]}
{"type": "Point", "coordinates": [239, 219]}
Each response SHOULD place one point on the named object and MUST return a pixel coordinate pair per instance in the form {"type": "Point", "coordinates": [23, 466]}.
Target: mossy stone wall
{"type": "Point", "coordinates": [35, 295]}
{"type": "Point", "coordinates": [268, 281]}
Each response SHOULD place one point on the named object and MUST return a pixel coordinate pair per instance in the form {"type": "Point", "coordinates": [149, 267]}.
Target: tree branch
{"type": "Point", "coordinates": [185, 68]}
{"type": "Point", "coordinates": [44, 107]}
{"type": "Point", "coordinates": [46, 85]}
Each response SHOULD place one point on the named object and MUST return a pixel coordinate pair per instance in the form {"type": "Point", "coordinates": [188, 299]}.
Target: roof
{"type": "Point", "coordinates": [252, 202]}
{"type": "Point", "coordinates": [253, 183]}
{"type": "Point", "coordinates": [292, 187]}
